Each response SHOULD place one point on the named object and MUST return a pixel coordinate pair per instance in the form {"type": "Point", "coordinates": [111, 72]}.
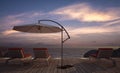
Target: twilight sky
{"type": "Point", "coordinates": [89, 22]}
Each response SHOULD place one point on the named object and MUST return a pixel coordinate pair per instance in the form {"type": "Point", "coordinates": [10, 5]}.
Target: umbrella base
{"type": "Point", "coordinates": [65, 66]}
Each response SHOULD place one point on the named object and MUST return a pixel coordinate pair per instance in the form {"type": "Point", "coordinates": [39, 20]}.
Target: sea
{"type": "Point", "coordinates": [67, 52]}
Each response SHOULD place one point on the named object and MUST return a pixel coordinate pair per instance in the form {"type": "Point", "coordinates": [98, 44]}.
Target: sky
{"type": "Point", "coordinates": [89, 23]}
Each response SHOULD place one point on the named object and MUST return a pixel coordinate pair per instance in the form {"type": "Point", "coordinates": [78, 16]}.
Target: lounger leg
{"type": "Point", "coordinates": [92, 59]}
{"type": "Point", "coordinates": [47, 62]}
{"type": "Point", "coordinates": [89, 57]}
{"type": "Point", "coordinates": [7, 61]}
{"type": "Point", "coordinates": [113, 61]}
{"type": "Point", "coordinates": [48, 59]}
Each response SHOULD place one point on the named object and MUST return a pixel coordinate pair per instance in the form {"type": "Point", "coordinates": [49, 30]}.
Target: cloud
{"type": "Point", "coordinates": [8, 32]}
{"type": "Point", "coordinates": [16, 21]}
{"type": "Point", "coordinates": [82, 12]}
{"type": "Point", "coordinates": [88, 30]}
{"type": "Point", "coordinates": [21, 18]}
{"type": "Point", "coordinates": [86, 13]}
{"type": "Point", "coordinates": [15, 16]}
{"type": "Point", "coordinates": [93, 30]}
{"type": "Point", "coordinates": [34, 36]}
{"type": "Point", "coordinates": [112, 22]}
{"type": "Point", "coordinates": [26, 15]}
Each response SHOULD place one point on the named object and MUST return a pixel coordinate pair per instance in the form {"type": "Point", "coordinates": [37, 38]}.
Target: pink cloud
{"type": "Point", "coordinates": [85, 12]}
{"type": "Point", "coordinates": [8, 32]}
{"type": "Point", "coordinates": [21, 18]}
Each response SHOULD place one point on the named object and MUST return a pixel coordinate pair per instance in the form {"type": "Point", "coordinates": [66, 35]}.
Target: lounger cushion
{"type": "Point", "coordinates": [104, 52]}
{"type": "Point", "coordinates": [105, 49]}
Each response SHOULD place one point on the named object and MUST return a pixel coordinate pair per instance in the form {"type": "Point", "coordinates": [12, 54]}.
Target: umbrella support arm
{"type": "Point", "coordinates": [68, 36]}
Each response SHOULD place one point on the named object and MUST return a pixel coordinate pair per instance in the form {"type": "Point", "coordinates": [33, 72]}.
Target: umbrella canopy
{"type": "Point", "coordinates": [37, 28]}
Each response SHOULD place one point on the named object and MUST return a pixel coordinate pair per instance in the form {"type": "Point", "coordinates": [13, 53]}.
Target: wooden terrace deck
{"type": "Point", "coordinates": [80, 66]}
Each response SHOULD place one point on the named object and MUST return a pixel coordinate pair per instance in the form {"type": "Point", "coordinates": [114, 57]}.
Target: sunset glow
{"type": "Point", "coordinates": [88, 23]}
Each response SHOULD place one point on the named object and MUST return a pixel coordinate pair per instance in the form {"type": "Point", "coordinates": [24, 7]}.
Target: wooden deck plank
{"type": "Point", "coordinates": [60, 70]}
{"type": "Point", "coordinates": [53, 67]}
{"type": "Point", "coordinates": [72, 69]}
{"type": "Point", "coordinates": [31, 69]}
{"type": "Point", "coordinates": [80, 66]}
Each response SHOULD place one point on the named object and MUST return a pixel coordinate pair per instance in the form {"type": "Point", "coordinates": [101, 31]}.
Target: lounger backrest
{"type": "Point", "coordinates": [40, 52]}
{"type": "Point", "coordinates": [104, 52]}
{"type": "Point", "coordinates": [16, 53]}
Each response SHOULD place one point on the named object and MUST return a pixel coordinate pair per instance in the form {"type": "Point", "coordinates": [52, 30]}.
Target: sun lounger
{"type": "Point", "coordinates": [103, 53]}
{"type": "Point", "coordinates": [18, 56]}
{"type": "Point", "coordinates": [41, 54]}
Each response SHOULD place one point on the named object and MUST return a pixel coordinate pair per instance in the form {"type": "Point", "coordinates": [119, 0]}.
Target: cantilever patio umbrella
{"type": "Point", "coordinates": [41, 28]}
{"type": "Point", "coordinates": [37, 28]}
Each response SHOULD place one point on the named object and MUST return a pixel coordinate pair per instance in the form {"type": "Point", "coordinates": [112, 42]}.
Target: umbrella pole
{"type": "Point", "coordinates": [61, 48]}
{"type": "Point", "coordinates": [62, 42]}
{"type": "Point", "coordinates": [62, 64]}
